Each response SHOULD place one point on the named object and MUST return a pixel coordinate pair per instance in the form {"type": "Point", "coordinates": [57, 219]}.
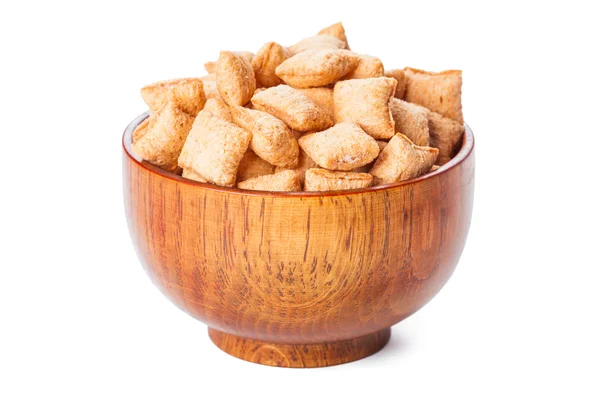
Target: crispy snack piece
{"type": "Point", "coordinates": [321, 96]}
{"type": "Point", "coordinates": [164, 137]}
{"type": "Point", "coordinates": [402, 160]}
{"type": "Point", "coordinates": [343, 147]}
{"type": "Point", "coordinates": [186, 93]}
{"type": "Point", "coordinates": [192, 175]}
{"type": "Point", "coordinates": [367, 103]}
{"type": "Point", "coordinates": [284, 181]}
{"type": "Point", "coordinates": [252, 166]}
{"type": "Point", "coordinates": [336, 30]}
{"type": "Point", "coordinates": [367, 67]}
{"type": "Point", "coordinates": [318, 42]}
{"type": "Point", "coordinates": [411, 120]}
{"type": "Point", "coordinates": [445, 135]}
{"type": "Point", "coordinates": [399, 76]}
{"type": "Point", "coordinates": [316, 67]}
{"type": "Point", "coordinates": [272, 140]}
{"type": "Point", "coordinates": [214, 149]}
{"type": "Point", "coordinates": [304, 163]}
{"type": "Point", "coordinates": [140, 130]}
{"type": "Point", "coordinates": [266, 60]}
{"type": "Point", "coordinates": [293, 108]}
{"type": "Point", "coordinates": [318, 180]}
{"type": "Point", "coordinates": [219, 108]}
{"type": "Point", "coordinates": [440, 92]}
{"type": "Point", "coordinates": [235, 78]}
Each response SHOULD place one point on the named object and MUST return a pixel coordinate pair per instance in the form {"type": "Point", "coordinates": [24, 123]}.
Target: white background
{"type": "Point", "coordinates": [80, 319]}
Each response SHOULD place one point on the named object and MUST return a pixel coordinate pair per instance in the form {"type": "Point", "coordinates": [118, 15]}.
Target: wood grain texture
{"type": "Point", "coordinates": [299, 270]}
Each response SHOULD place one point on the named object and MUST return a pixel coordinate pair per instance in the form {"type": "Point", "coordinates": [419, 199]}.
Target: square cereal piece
{"type": "Point", "coordinates": [267, 59]}
{"type": "Point", "coordinates": [186, 93]}
{"type": "Point", "coordinates": [318, 180]}
{"type": "Point", "coordinates": [214, 149]}
{"type": "Point", "coordinates": [252, 166]}
{"type": "Point", "coordinates": [163, 137]}
{"type": "Point", "coordinates": [210, 86]}
{"type": "Point", "coordinates": [304, 163]}
{"type": "Point", "coordinates": [316, 67]}
{"type": "Point", "coordinates": [399, 76]}
{"type": "Point", "coordinates": [192, 175]}
{"type": "Point", "coordinates": [402, 160]}
{"type": "Point", "coordinates": [367, 67]}
{"type": "Point", "coordinates": [318, 42]}
{"type": "Point", "coordinates": [284, 181]}
{"type": "Point", "coordinates": [337, 31]}
{"type": "Point", "coordinates": [366, 168]}
{"type": "Point", "coordinates": [440, 92]}
{"type": "Point", "coordinates": [235, 78]}
{"type": "Point", "coordinates": [293, 108]}
{"type": "Point", "coordinates": [271, 140]}
{"type": "Point", "coordinates": [445, 135]}
{"type": "Point", "coordinates": [367, 103]}
{"type": "Point", "coordinates": [411, 120]}
{"type": "Point", "coordinates": [218, 107]}
{"type": "Point", "coordinates": [343, 147]}
{"type": "Point", "coordinates": [321, 96]}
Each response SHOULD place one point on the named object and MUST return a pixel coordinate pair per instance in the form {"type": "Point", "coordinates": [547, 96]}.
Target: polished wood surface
{"type": "Point", "coordinates": [299, 280]}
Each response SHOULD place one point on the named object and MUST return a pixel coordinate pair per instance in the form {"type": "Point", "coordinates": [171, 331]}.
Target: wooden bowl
{"type": "Point", "coordinates": [299, 279]}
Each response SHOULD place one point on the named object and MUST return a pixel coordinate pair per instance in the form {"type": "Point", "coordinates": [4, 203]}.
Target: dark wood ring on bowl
{"type": "Point", "coordinates": [299, 279]}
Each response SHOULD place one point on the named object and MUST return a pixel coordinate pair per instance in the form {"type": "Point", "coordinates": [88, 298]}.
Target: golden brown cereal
{"type": "Point", "coordinates": [440, 92]}
{"type": "Point", "coordinates": [367, 103]}
{"type": "Point", "coordinates": [140, 130]}
{"type": "Point", "coordinates": [411, 121]}
{"type": "Point", "coordinates": [252, 166]}
{"type": "Point", "coordinates": [402, 160]}
{"type": "Point", "coordinates": [316, 67]}
{"type": "Point", "coordinates": [399, 76]}
{"type": "Point", "coordinates": [210, 86]}
{"type": "Point", "coordinates": [164, 137]}
{"type": "Point", "coordinates": [272, 140]}
{"type": "Point", "coordinates": [318, 180]}
{"type": "Point", "coordinates": [304, 163]}
{"type": "Point", "coordinates": [318, 42]}
{"type": "Point", "coordinates": [186, 93]}
{"type": "Point", "coordinates": [343, 147]}
{"type": "Point", "coordinates": [267, 59]}
{"type": "Point", "coordinates": [214, 149]}
{"type": "Point", "coordinates": [321, 96]}
{"type": "Point", "coordinates": [235, 79]}
{"type": "Point", "coordinates": [367, 67]}
{"type": "Point", "coordinates": [445, 135]}
{"type": "Point", "coordinates": [336, 30]}
{"type": "Point", "coordinates": [284, 181]}
{"type": "Point", "coordinates": [219, 108]}
{"type": "Point", "coordinates": [434, 168]}
{"type": "Point", "coordinates": [293, 108]}
{"type": "Point", "coordinates": [192, 175]}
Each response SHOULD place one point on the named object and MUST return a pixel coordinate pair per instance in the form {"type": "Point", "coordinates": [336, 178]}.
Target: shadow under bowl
{"type": "Point", "coordinates": [306, 279]}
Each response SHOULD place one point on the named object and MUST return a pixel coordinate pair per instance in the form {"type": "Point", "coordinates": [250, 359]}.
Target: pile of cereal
{"type": "Point", "coordinates": [314, 116]}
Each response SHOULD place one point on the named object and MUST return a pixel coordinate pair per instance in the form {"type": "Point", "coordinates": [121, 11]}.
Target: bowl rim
{"type": "Point", "coordinates": [466, 149]}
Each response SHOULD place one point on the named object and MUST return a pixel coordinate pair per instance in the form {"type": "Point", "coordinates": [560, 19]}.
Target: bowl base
{"type": "Point", "coordinates": [300, 355]}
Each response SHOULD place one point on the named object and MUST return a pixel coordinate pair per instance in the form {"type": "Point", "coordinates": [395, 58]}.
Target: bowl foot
{"type": "Point", "coordinates": [300, 355]}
